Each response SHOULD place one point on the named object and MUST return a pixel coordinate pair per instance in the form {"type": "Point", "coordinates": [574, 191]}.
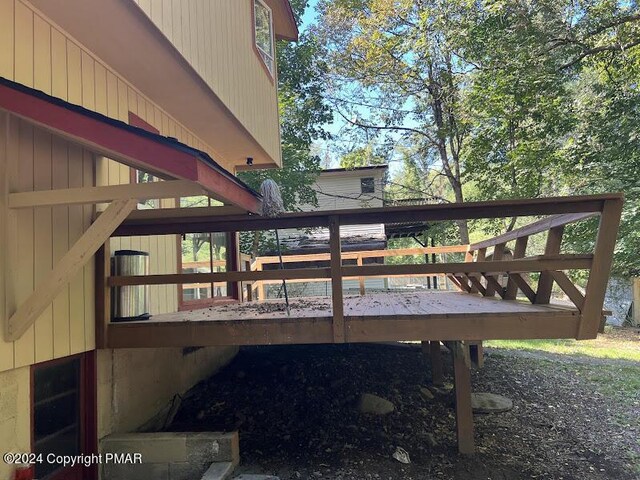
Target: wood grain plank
{"type": "Point", "coordinates": [59, 80]}
{"type": "Point", "coordinates": [7, 39]}
{"type": "Point", "coordinates": [41, 55]}
{"type": "Point", "coordinates": [6, 348]}
{"type": "Point", "coordinates": [43, 243]}
{"type": "Point", "coordinates": [336, 281]}
{"type": "Point", "coordinates": [23, 237]}
{"type": "Point", "coordinates": [60, 215]}
{"type": "Point", "coordinates": [76, 229]}
{"type": "Point", "coordinates": [23, 65]}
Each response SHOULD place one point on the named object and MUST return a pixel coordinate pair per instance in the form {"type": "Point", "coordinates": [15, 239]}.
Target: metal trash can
{"type": "Point", "coordinates": [130, 303]}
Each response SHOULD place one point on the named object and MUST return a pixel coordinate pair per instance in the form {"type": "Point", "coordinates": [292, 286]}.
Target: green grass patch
{"type": "Point", "coordinates": [599, 348]}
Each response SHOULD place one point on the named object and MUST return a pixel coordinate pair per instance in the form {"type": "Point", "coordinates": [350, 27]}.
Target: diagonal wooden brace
{"type": "Point", "coordinates": [74, 260]}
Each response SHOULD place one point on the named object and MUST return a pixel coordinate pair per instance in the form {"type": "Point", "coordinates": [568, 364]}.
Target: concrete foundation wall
{"type": "Point", "coordinates": [146, 381]}
{"type": "Point", "coordinates": [15, 415]}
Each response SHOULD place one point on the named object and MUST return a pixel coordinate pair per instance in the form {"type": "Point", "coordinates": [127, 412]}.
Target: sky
{"type": "Point", "coordinates": [334, 147]}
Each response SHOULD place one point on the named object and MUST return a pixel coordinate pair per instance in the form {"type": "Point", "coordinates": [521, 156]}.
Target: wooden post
{"type": "Point", "coordinates": [545, 283]}
{"type": "Point", "coordinates": [468, 257]}
{"type": "Point", "coordinates": [600, 269]}
{"type": "Point", "coordinates": [233, 239]}
{"type": "Point", "coordinates": [335, 250]}
{"type": "Point", "coordinates": [498, 253]}
{"type": "Point", "coordinates": [361, 279]}
{"type": "Point", "coordinates": [437, 372]}
{"type": "Point", "coordinates": [518, 252]}
{"type": "Point", "coordinates": [476, 353]}
{"type": "Point", "coordinates": [103, 294]}
{"type": "Point", "coordinates": [464, 412]}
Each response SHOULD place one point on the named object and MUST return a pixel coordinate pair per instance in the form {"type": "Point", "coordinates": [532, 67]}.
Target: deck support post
{"type": "Point", "coordinates": [462, 386]}
{"type": "Point", "coordinates": [431, 350]}
{"type": "Point", "coordinates": [335, 249]}
{"type": "Point", "coordinates": [103, 294]}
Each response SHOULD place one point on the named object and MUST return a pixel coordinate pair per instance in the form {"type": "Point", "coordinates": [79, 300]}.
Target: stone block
{"type": "Point", "coordinates": [162, 447]}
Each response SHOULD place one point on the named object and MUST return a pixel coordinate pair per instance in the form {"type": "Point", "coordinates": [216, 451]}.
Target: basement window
{"type": "Point", "coordinates": [367, 185]}
{"type": "Point", "coordinates": [263, 35]}
{"type": "Point", "coordinates": [56, 412]}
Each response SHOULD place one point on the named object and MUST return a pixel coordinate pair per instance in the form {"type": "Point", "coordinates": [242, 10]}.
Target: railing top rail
{"type": "Point", "coordinates": [350, 255]}
{"type": "Point", "coordinates": [536, 227]}
{"type": "Point", "coordinates": [159, 222]}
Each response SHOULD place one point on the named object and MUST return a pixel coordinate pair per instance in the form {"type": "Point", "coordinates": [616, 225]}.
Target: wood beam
{"type": "Point", "coordinates": [103, 293]}
{"type": "Point", "coordinates": [88, 195]}
{"type": "Point", "coordinates": [364, 216]}
{"type": "Point", "coordinates": [498, 253]}
{"type": "Point", "coordinates": [569, 288]}
{"type": "Point", "coordinates": [214, 277]}
{"type": "Point", "coordinates": [316, 330]}
{"type": "Point", "coordinates": [437, 369]}
{"type": "Point", "coordinates": [464, 412]}
{"type": "Point", "coordinates": [518, 252]}
{"type": "Point", "coordinates": [524, 286]}
{"type": "Point", "coordinates": [533, 228]}
{"type": "Point", "coordinates": [545, 282]}
{"type": "Point", "coordinates": [336, 280]}
{"type": "Point", "coordinates": [74, 260]}
{"type": "Point", "coordinates": [600, 269]}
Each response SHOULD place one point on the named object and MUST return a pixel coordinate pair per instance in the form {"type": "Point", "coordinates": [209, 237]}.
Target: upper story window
{"type": "Point", "coordinates": [367, 185]}
{"type": "Point", "coordinates": [264, 34]}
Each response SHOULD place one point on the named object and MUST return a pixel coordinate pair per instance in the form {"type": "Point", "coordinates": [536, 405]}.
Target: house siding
{"type": "Point", "coordinates": [216, 38]}
{"type": "Point", "coordinates": [36, 52]}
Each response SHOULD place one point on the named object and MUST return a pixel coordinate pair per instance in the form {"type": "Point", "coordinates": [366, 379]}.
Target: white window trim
{"type": "Point", "coordinates": [271, 66]}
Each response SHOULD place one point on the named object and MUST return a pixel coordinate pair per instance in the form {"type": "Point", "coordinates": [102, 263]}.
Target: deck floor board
{"type": "Point", "coordinates": [417, 304]}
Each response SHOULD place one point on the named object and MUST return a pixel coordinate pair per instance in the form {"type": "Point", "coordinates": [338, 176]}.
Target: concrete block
{"type": "Point", "coordinates": [144, 471]}
{"type": "Point", "coordinates": [162, 447]}
{"type": "Point", "coordinates": [219, 471]}
{"type": "Point", "coordinates": [209, 447]}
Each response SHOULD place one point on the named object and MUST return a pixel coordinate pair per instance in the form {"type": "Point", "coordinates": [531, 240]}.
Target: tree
{"type": "Point", "coordinates": [361, 157]}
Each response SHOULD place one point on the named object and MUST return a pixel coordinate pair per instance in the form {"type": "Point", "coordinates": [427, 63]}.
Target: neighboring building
{"type": "Point", "coordinates": [340, 189]}
{"type": "Point", "coordinates": [200, 72]}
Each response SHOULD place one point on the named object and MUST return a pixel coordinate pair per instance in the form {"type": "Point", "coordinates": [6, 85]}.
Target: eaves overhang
{"type": "Point", "coordinates": [162, 156]}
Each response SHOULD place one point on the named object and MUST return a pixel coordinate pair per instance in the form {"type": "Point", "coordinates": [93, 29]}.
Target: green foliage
{"type": "Point", "coordinates": [503, 99]}
{"type": "Point", "coordinates": [361, 157]}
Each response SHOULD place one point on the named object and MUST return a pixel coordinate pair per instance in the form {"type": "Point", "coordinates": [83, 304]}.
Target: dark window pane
{"type": "Point", "coordinates": [56, 412]}
{"type": "Point", "coordinates": [367, 185]}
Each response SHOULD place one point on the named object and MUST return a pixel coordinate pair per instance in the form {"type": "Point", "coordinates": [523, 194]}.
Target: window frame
{"type": "Point", "coordinates": [271, 73]}
{"type": "Point", "coordinates": [87, 412]}
{"type": "Point", "coordinates": [366, 180]}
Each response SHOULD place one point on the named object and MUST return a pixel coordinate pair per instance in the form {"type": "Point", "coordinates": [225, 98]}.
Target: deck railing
{"type": "Point", "coordinates": [258, 265]}
{"type": "Point", "coordinates": [479, 274]}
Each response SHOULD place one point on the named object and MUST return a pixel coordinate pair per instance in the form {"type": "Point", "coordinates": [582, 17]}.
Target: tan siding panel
{"type": "Point", "coordinates": [43, 248]}
{"type": "Point", "coordinates": [59, 87]}
{"type": "Point", "coordinates": [60, 164]}
{"type": "Point", "coordinates": [6, 348]}
{"type": "Point", "coordinates": [23, 237]}
{"type": "Point", "coordinates": [76, 227]}
{"type": "Point", "coordinates": [42, 55]}
{"type": "Point", "coordinates": [6, 38]}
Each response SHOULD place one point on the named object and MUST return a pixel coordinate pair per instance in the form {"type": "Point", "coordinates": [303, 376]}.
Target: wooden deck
{"type": "Point", "coordinates": [371, 318]}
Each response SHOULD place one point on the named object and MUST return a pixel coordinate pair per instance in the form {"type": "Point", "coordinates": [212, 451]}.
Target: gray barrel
{"type": "Point", "coordinates": [130, 303]}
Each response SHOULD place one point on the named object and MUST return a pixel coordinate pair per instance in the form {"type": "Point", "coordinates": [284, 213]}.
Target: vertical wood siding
{"type": "Point", "coordinates": [216, 38]}
{"type": "Point", "coordinates": [37, 53]}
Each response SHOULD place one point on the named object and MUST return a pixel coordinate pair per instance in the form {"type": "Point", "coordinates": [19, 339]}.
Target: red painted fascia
{"type": "Point", "coordinates": [136, 150]}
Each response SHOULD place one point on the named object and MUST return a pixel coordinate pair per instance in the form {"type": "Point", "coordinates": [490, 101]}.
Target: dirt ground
{"type": "Point", "coordinates": [295, 409]}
